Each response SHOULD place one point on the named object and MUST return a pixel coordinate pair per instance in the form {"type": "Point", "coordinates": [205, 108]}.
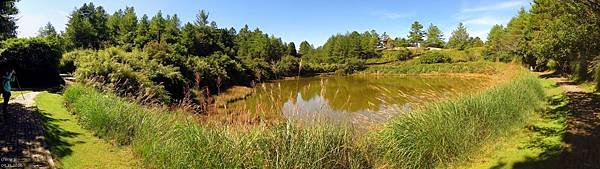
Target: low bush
{"type": "Point", "coordinates": [434, 57]}
{"type": "Point", "coordinates": [398, 55]}
{"type": "Point", "coordinates": [67, 62]}
{"type": "Point", "coordinates": [499, 56]}
{"type": "Point", "coordinates": [35, 60]}
{"type": "Point", "coordinates": [460, 67]}
{"type": "Point", "coordinates": [352, 65]}
{"type": "Point", "coordinates": [287, 66]}
{"type": "Point", "coordinates": [552, 65]}
{"type": "Point", "coordinates": [474, 54]}
{"type": "Point", "coordinates": [126, 73]}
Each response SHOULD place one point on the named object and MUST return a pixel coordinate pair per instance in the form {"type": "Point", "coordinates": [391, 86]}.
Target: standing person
{"type": "Point", "coordinates": [7, 78]}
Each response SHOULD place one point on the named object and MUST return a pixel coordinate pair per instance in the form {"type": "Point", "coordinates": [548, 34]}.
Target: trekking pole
{"type": "Point", "coordinates": [19, 85]}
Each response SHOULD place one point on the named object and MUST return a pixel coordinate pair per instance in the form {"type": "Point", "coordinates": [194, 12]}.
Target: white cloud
{"type": "Point", "coordinates": [496, 7]}
{"type": "Point", "coordinates": [385, 14]}
{"type": "Point", "coordinates": [485, 20]}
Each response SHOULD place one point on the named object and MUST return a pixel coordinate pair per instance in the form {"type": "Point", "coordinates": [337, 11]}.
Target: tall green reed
{"type": "Point", "coordinates": [451, 130]}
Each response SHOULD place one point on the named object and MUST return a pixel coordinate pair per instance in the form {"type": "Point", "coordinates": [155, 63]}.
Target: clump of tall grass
{"type": "Point", "coordinates": [450, 130]}
{"type": "Point", "coordinates": [170, 140]}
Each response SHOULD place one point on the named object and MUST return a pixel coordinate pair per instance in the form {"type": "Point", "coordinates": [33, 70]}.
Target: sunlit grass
{"type": "Point", "coordinates": [73, 146]}
{"type": "Point", "coordinates": [535, 146]}
{"type": "Point", "coordinates": [484, 67]}
{"type": "Point", "coordinates": [452, 130]}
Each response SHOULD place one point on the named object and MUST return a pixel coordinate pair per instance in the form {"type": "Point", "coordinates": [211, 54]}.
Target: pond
{"type": "Point", "coordinates": [360, 99]}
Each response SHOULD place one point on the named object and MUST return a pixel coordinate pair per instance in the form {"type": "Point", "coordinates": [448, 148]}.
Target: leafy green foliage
{"type": "Point", "coordinates": [434, 57]}
{"type": "Point", "coordinates": [35, 61]}
{"type": "Point", "coordinates": [338, 48]}
{"type": "Point", "coordinates": [397, 55]}
{"type": "Point", "coordinates": [126, 73]}
{"type": "Point", "coordinates": [67, 62]}
{"type": "Point", "coordinates": [552, 34]}
{"type": "Point", "coordinates": [352, 65]}
{"type": "Point", "coordinates": [288, 66]}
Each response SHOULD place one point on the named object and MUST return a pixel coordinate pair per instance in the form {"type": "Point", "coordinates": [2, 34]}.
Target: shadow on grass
{"type": "Point", "coordinates": [581, 138]}
{"type": "Point", "coordinates": [56, 135]}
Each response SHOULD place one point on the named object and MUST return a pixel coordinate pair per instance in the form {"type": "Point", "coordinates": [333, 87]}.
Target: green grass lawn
{"type": "Point", "coordinates": [538, 145]}
{"type": "Point", "coordinates": [75, 147]}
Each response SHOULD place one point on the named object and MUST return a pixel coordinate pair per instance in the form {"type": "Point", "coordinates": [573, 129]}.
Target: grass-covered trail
{"type": "Point", "coordinates": [564, 135]}
{"type": "Point", "coordinates": [73, 146]}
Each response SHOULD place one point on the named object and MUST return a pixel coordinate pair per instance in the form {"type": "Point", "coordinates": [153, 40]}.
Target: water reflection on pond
{"type": "Point", "coordinates": [359, 99]}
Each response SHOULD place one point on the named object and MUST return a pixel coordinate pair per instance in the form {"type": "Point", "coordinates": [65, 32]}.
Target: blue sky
{"type": "Point", "coordinates": [312, 20]}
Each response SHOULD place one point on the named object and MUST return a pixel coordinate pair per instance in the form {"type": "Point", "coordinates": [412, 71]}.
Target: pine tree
{"type": "Point", "coordinates": [415, 36]}
{"type": "Point", "coordinates": [291, 49]}
{"type": "Point", "coordinates": [113, 24]}
{"type": "Point", "coordinates": [460, 38]}
{"type": "Point", "coordinates": [8, 26]}
{"type": "Point", "coordinates": [171, 33]}
{"type": "Point", "coordinates": [80, 31]}
{"type": "Point", "coordinates": [47, 30]}
{"type": "Point", "coordinates": [305, 48]}
{"type": "Point", "coordinates": [141, 32]}
{"type": "Point", "coordinates": [87, 27]}
{"type": "Point", "coordinates": [202, 18]}
{"type": "Point", "coordinates": [157, 27]}
{"type": "Point", "coordinates": [475, 42]}
{"type": "Point", "coordinates": [128, 27]}
{"type": "Point", "coordinates": [434, 37]}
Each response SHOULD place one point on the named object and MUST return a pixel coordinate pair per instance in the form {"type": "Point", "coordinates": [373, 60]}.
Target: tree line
{"type": "Point", "coordinates": [557, 35]}
{"type": "Point", "coordinates": [131, 54]}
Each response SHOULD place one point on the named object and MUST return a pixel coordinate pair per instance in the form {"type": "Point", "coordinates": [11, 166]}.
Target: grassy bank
{"type": "Point", "coordinates": [452, 130]}
{"type": "Point", "coordinates": [484, 67]}
{"type": "Point", "coordinates": [432, 136]}
{"type": "Point", "coordinates": [537, 145]}
{"type": "Point", "coordinates": [73, 146]}
{"type": "Point", "coordinates": [158, 136]}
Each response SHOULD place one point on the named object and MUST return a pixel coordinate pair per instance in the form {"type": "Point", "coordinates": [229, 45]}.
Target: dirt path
{"type": "Point", "coordinates": [582, 137]}
{"type": "Point", "coordinates": [22, 137]}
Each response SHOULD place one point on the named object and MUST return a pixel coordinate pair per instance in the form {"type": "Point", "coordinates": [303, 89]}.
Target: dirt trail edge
{"type": "Point", "coordinates": [582, 137]}
{"type": "Point", "coordinates": [22, 141]}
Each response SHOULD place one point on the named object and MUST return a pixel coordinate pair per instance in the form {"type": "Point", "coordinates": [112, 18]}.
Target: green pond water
{"type": "Point", "coordinates": [358, 99]}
